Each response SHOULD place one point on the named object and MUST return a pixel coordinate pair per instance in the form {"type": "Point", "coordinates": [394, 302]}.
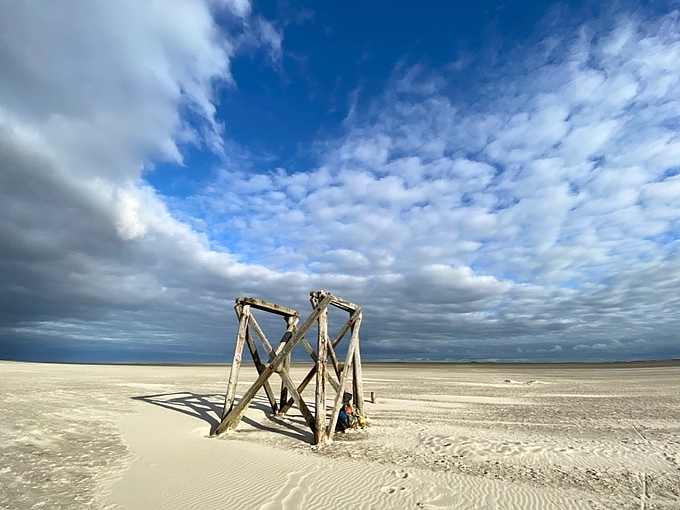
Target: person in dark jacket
{"type": "Point", "coordinates": [346, 418]}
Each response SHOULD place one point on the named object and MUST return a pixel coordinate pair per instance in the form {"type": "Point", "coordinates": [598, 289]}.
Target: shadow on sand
{"type": "Point", "coordinates": [208, 407]}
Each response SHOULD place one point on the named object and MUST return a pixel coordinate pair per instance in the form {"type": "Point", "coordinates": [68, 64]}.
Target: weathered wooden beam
{"type": "Point", "coordinates": [291, 323]}
{"type": "Point", "coordinates": [260, 368]}
{"type": "Point", "coordinates": [334, 359]}
{"type": "Point", "coordinates": [297, 398]}
{"type": "Point", "coordinates": [357, 377]}
{"type": "Point", "coordinates": [310, 350]}
{"type": "Point", "coordinates": [232, 419]}
{"type": "Point", "coordinates": [314, 298]}
{"type": "Point", "coordinates": [267, 306]}
{"type": "Point", "coordinates": [290, 330]}
{"type": "Point", "coordinates": [243, 313]}
{"type": "Point", "coordinates": [310, 375]}
{"type": "Point", "coordinates": [322, 344]}
{"type": "Point", "coordinates": [308, 378]}
{"type": "Point", "coordinates": [260, 334]}
{"type": "Point", "coordinates": [337, 302]}
{"type": "Point", "coordinates": [315, 358]}
{"type": "Point", "coordinates": [337, 404]}
{"type": "Point", "coordinates": [356, 315]}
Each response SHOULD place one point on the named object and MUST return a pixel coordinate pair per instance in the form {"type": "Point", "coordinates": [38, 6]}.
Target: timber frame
{"type": "Point", "coordinates": [277, 360]}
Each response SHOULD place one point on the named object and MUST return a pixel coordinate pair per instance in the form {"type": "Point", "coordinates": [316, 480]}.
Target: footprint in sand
{"type": "Point", "coordinates": [440, 445]}
{"type": "Point", "coordinates": [392, 490]}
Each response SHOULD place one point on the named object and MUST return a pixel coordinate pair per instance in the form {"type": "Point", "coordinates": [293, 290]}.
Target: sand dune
{"type": "Point", "coordinates": [442, 436]}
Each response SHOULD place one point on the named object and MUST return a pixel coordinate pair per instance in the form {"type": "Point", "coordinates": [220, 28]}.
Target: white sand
{"type": "Point", "coordinates": [464, 437]}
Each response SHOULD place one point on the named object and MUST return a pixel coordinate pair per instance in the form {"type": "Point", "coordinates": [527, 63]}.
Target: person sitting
{"type": "Point", "coordinates": [346, 418]}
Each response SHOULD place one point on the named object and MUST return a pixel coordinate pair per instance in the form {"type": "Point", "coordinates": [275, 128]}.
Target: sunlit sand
{"type": "Point", "coordinates": [442, 436]}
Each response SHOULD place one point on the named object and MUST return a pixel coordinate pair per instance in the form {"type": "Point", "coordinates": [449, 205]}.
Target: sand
{"type": "Point", "coordinates": [442, 436]}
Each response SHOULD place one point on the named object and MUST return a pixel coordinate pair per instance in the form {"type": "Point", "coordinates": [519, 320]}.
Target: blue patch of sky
{"type": "Point", "coordinates": [342, 54]}
{"type": "Point", "coordinates": [336, 51]}
{"type": "Point", "coordinates": [337, 55]}
{"type": "Point", "coordinates": [669, 238]}
{"type": "Point", "coordinates": [502, 203]}
{"type": "Point", "coordinates": [672, 124]}
{"type": "Point", "coordinates": [597, 161]}
{"type": "Point", "coordinates": [570, 284]}
{"type": "Point", "coordinates": [498, 170]}
{"type": "Point", "coordinates": [174, 180]}
{"type": "Point", "coordinates": [466, 199]}
{"type": "Point", "coordinates": [478, 269]}
{"type": "Point", "coordinates": [670, 172]}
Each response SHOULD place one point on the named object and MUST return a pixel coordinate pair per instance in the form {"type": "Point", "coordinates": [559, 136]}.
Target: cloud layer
{"type": "Point", "coordinates": [532, 217]}
{"type": "Point", "coordinates": [92, 95]}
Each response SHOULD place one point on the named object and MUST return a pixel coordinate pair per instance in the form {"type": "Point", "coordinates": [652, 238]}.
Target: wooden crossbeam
{"type": "Point", "coordinates": [337, 302]}
{"type": "Point", "coordinates": [260, 334]}
{"type": "Point", "coordinates": [267, 306]}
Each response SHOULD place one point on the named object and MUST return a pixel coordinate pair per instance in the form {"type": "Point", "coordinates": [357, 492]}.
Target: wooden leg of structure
{"type": "Point", "coordinates": [357, 376]}
{"type": "Point", "coordinates": [243, 313]}
{"type": "Point", "coordinates": [322, 354]}
{"type": "Point", "coordinates": [291, 323]}
{"type": "Point", "coordinates": [337, 404]}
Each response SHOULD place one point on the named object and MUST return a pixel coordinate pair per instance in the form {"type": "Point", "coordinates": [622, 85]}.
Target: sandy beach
{"type": "Point", "coordinates": [442, 436]}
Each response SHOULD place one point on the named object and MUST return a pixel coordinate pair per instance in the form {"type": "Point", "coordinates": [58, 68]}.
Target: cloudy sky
{"type": "Point", "coordinates": [498, 180]}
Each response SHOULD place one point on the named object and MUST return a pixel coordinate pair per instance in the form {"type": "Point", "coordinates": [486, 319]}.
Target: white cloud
{"type": "Point", "coordinates": [556, 181]}
{"type": "Point", "coordinates": [545, 212]}
{"type": "Point", "coordinates": [271, 37]}
{"type": "Point", "coordinates": [90, 95]}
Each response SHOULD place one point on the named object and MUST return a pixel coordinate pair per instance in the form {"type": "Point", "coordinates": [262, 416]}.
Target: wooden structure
{"type": "Point", "coordinates": [277, 361]}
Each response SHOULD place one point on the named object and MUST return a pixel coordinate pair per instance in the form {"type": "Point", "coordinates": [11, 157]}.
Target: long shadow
{"type": "Point", "coordinates": [208, 407]}
{"type": "Point", "coordinates": [204, 406]}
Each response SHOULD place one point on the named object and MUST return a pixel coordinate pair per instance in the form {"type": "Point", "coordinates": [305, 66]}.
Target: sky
{"type": "Point", "coordinates": [489, 181]}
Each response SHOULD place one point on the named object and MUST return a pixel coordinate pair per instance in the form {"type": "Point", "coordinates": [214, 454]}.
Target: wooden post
{"type": "Point", "coordinates": [319, 432]}
{"type": "Point", "coordinates": [243, 313]}
{"type": "Point", "coordinates": [291, 322]}
{"type": "Point", "coordinates": [351, 349]}
{"type": "Point", "coordinates": [357, 377]}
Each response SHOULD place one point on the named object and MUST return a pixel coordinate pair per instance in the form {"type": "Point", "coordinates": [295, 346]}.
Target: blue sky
{"type": "Point", "coordinates": [497, 181]}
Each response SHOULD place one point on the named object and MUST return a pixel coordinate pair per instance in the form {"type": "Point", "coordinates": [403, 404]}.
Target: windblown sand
{"type": "Point", "coordinates": [443, 436]}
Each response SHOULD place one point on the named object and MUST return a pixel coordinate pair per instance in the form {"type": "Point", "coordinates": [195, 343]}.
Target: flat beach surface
{"type": "Point", "coordinates": [442, 436]}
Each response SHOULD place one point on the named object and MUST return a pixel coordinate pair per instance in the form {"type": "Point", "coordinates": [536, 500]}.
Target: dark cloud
{"type": "Point", "coordinates": [537, 224]}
